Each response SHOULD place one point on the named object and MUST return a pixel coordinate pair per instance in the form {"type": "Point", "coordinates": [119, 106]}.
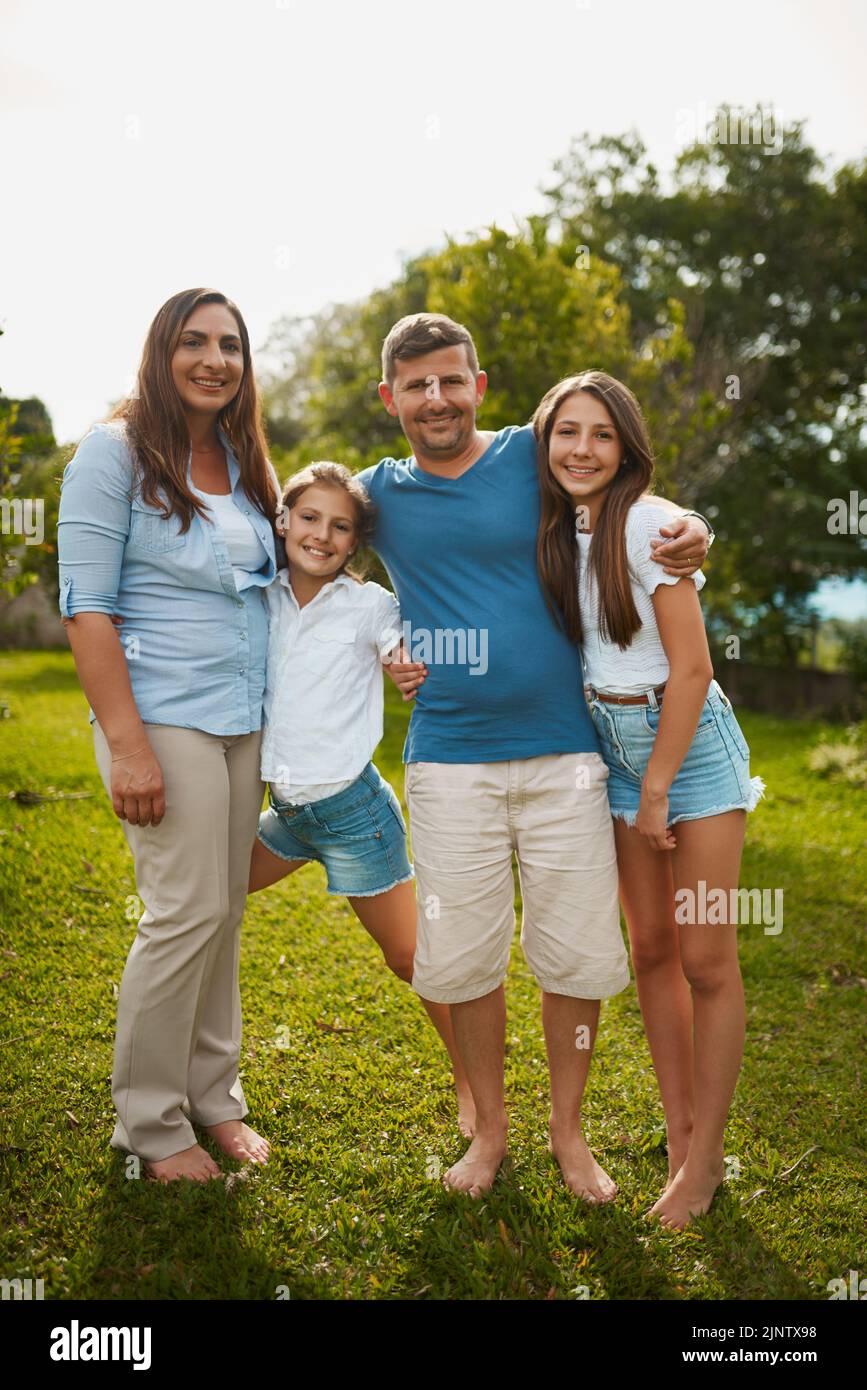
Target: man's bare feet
{"type": "Point", "coordinates": [581, 1173]}
{"type": "Point", "coordinates": [239, 1141]}
{"type": "Point", "coordinates": [189, 1163]}
{"type": "Point", "coordinates": [475, 1172]}
{"type": "Point", "coordinates": [466, 1109]}
{"type": "Point", "coordinates": [689, 1194]}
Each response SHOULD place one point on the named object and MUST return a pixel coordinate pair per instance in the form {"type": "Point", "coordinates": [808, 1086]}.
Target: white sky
{"type": "Point", "coordinates": [288, 151]}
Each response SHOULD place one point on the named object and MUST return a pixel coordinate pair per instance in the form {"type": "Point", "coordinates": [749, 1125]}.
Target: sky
{"type": "Point", "coordinates": [293, 152]}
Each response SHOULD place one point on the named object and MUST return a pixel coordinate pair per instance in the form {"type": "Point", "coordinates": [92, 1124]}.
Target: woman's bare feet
{"type": "Point", "coordinates": [689, 1194]}
{"type": "Point", "coordinates": [581, 1173]}
{"type": "Point", "coordinates": [239, 1141]}
{"type": "Point", "coordinates": [466, 1109]}
{"type": "Point", "coordinates": [189, 1163]}
{"type": "Point", "coordinates": [475, 1172]}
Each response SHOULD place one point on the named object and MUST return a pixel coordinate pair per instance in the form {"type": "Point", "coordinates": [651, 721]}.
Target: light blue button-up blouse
{"type": "Point", "coordinates": [196, 643]}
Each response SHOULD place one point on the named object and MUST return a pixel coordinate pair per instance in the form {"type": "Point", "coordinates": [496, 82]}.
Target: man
{"type": "Point", "coordinates": [501, 754]}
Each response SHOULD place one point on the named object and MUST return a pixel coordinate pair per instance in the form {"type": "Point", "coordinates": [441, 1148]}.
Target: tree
{"type": "Point", "coordinates": [767, 253]}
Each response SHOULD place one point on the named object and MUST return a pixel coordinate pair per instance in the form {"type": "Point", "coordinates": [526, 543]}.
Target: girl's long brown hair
{"type": "Point", "coordinates": [157, 429]}
{"type": "Point", "coordinates": [557, 554]}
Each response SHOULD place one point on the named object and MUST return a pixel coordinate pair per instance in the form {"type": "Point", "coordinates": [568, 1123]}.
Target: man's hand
{"type": "Point", "coordinates": [407, 675]}
{"type": "Point", "coordinates": [686, 554]}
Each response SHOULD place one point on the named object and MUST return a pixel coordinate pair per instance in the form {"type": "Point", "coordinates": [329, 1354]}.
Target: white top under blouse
{"type": "Point", "coordinates": [643, 664]}
{"type": "Point", "coordinates": [323, 712]}
{"type": "Point", "coordinates": [246, 552]}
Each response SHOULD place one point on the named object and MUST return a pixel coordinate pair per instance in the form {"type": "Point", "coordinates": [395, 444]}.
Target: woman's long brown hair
{"type": "Point", "coordinates": [157, 429]}
{"type": "Point", "coordinates": [557, 554]}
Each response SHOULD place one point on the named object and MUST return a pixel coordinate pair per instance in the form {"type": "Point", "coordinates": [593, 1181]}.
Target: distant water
{"type": "Point", "coordinates": [841, 598]}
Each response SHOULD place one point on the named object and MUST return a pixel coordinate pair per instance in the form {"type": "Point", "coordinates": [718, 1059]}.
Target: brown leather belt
{"type": "Point", "coordinates": [625, 699]}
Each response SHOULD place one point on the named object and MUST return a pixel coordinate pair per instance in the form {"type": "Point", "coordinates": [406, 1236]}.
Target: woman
{"type": "Point", "coordinates": [167, 515]}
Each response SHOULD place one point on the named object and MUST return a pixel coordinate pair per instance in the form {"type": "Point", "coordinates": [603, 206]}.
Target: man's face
{"type": "Point", "coordinates": [435, 397]}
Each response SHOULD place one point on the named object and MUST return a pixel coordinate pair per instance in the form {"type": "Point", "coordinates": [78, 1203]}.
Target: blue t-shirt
{"type": "Point", "coordinates": [504, 681]}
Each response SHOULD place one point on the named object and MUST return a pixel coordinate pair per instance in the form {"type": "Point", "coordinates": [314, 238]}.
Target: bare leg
{"type": "Point", "coordinates": [569, 1053]}
{"type": "Point", "coordinates": [709, 850]}
{"type": "Point", "coordinates": [267, 868]}
{"type": "Point", "coordinates": [647, 895]}
{"type": "Point", "coordinates": [390, 918]}
{"type": "Point", "coordinates": [480, 1033]}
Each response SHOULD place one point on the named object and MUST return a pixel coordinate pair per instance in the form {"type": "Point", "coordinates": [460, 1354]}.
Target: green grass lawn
{"type": "Point", "coordinates": [346, 1077]}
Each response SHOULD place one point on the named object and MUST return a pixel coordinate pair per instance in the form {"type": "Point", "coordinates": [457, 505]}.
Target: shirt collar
{"type": "Point", "coordinates": [342, 581]}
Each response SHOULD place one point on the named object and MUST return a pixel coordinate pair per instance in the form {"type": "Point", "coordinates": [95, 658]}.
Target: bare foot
{"type": "Point", "coordinates": [475, 1172]}
{"type": "Point", "coordinates": [239, 1141]}
{"type": "Point", "coordinates": [189, 1163]}
{"type": "Point", "coordinates": [689, 1194]}
{"type": "Point", "coordinates": [581, 1173]}
{"type": "Point", "coordinates": [466, 1109]}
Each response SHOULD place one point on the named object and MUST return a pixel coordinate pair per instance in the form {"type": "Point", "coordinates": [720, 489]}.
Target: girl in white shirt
{"type": "Point", "coordinates": [329, 634]}
{"type": "Point", "coordinates": [679, 783]}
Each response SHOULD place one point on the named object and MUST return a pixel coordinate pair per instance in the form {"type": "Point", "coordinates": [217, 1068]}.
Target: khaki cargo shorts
{"type": "Point", "coordinates": [466, 821]}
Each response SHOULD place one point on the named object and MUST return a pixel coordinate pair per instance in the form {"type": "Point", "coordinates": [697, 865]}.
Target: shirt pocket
{"type": "Point", "coordinates": [329, 649]}
{"type": "Point", "coordinates": [150, 531]}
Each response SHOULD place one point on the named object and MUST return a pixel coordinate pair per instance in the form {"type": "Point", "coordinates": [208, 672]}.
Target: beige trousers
{"type": "Point", "coordinates": [179, 1005]}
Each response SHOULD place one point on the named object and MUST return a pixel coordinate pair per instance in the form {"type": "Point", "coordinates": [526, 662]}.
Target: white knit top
{"type": "Point", "coordinates": [643, 664]}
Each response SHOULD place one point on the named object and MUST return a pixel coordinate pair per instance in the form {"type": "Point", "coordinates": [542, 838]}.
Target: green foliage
{"type": "Point", "coordinates": [535, 317]}
{"type": "Point", "coordinates": [842, 760]}
{"type": "Point", "coordinates": [767, 253]}
{"type": "Point", "coordinates": [731, 300]}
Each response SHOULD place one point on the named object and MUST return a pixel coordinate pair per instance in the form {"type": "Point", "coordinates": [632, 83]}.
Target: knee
{"type": "Point", "coordinates": [709, 976]}
{"type": "Point", "coordinates": [401, 965]}
{"type": "Point", "coordinates": [653, 949]}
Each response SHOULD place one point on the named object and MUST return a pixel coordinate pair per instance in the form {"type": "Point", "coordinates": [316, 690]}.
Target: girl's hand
{"type": "Point", "coordinates": [116, 619]}
{"type": "Point", "coordinates": [406, 675]}
{"type": "Point", "coordinates": [652, 820]}
{"type": "Point", "coordinates": [137, 788]}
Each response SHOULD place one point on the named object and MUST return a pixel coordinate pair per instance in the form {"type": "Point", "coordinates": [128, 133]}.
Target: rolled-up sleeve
{"type": "Point", "coordinates": [93, 524]}
{"type": "Point", "coordinates": [387, 631]}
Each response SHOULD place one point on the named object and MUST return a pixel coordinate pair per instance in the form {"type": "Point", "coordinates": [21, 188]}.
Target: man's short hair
{"type": "Point", "coordinates": [417, 334]}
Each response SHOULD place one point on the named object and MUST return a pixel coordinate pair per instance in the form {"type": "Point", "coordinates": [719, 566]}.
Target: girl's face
{"type": "Point", "coordinates": [585, 450]}
{"type": "Point", "coordinates": [208, 362]}
{"type": "Point", "coordinates": [319, 530]}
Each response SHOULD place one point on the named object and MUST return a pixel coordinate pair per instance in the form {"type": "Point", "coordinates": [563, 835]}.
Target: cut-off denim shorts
{"type": "Point", "coordinates": [714, 776]}
{"type": "Point", "coordinates": [359, 835]}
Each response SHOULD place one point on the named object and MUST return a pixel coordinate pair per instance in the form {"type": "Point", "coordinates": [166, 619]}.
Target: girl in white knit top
{"type": "Point", "coordinates": [679, 782]}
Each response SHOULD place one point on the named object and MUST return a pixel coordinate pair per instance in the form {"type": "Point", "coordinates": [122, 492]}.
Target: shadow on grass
{"type": "Point", "coordinates": [182, 1240]}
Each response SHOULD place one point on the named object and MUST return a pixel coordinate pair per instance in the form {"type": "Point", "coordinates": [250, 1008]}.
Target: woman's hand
{"type": "Point", "coordinates": [652, 819]}
{"type": "Point", "coordinates": [137, 788]}
{"type": "Point", "coordinates": [407, 675]}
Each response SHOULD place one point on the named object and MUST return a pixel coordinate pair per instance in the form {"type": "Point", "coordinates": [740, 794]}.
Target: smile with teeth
{"type": "Point", "coordinates": [208, 383]}
{"type": "Point", "coordinates": [314, 550]}
{"type": "Point", "coordinates": [577, 472]}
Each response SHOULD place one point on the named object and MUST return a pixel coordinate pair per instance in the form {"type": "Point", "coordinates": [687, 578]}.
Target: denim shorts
{"type": "Point", "coordinates": [359, 836]}
{"type": "Point", "coordinates": [714, 776]}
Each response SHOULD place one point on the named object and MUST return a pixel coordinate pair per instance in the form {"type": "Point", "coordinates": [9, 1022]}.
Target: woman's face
{"type": "Point", "coordinates": [208, 362]}
{"type": "Point", "coordinates": [319, 530]}
{"type": "Point", "coordinates": [585, 449]}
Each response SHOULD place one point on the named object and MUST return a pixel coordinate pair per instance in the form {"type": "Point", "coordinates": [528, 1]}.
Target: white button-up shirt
{"type": "Point", "coordinates": [323, 709]}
